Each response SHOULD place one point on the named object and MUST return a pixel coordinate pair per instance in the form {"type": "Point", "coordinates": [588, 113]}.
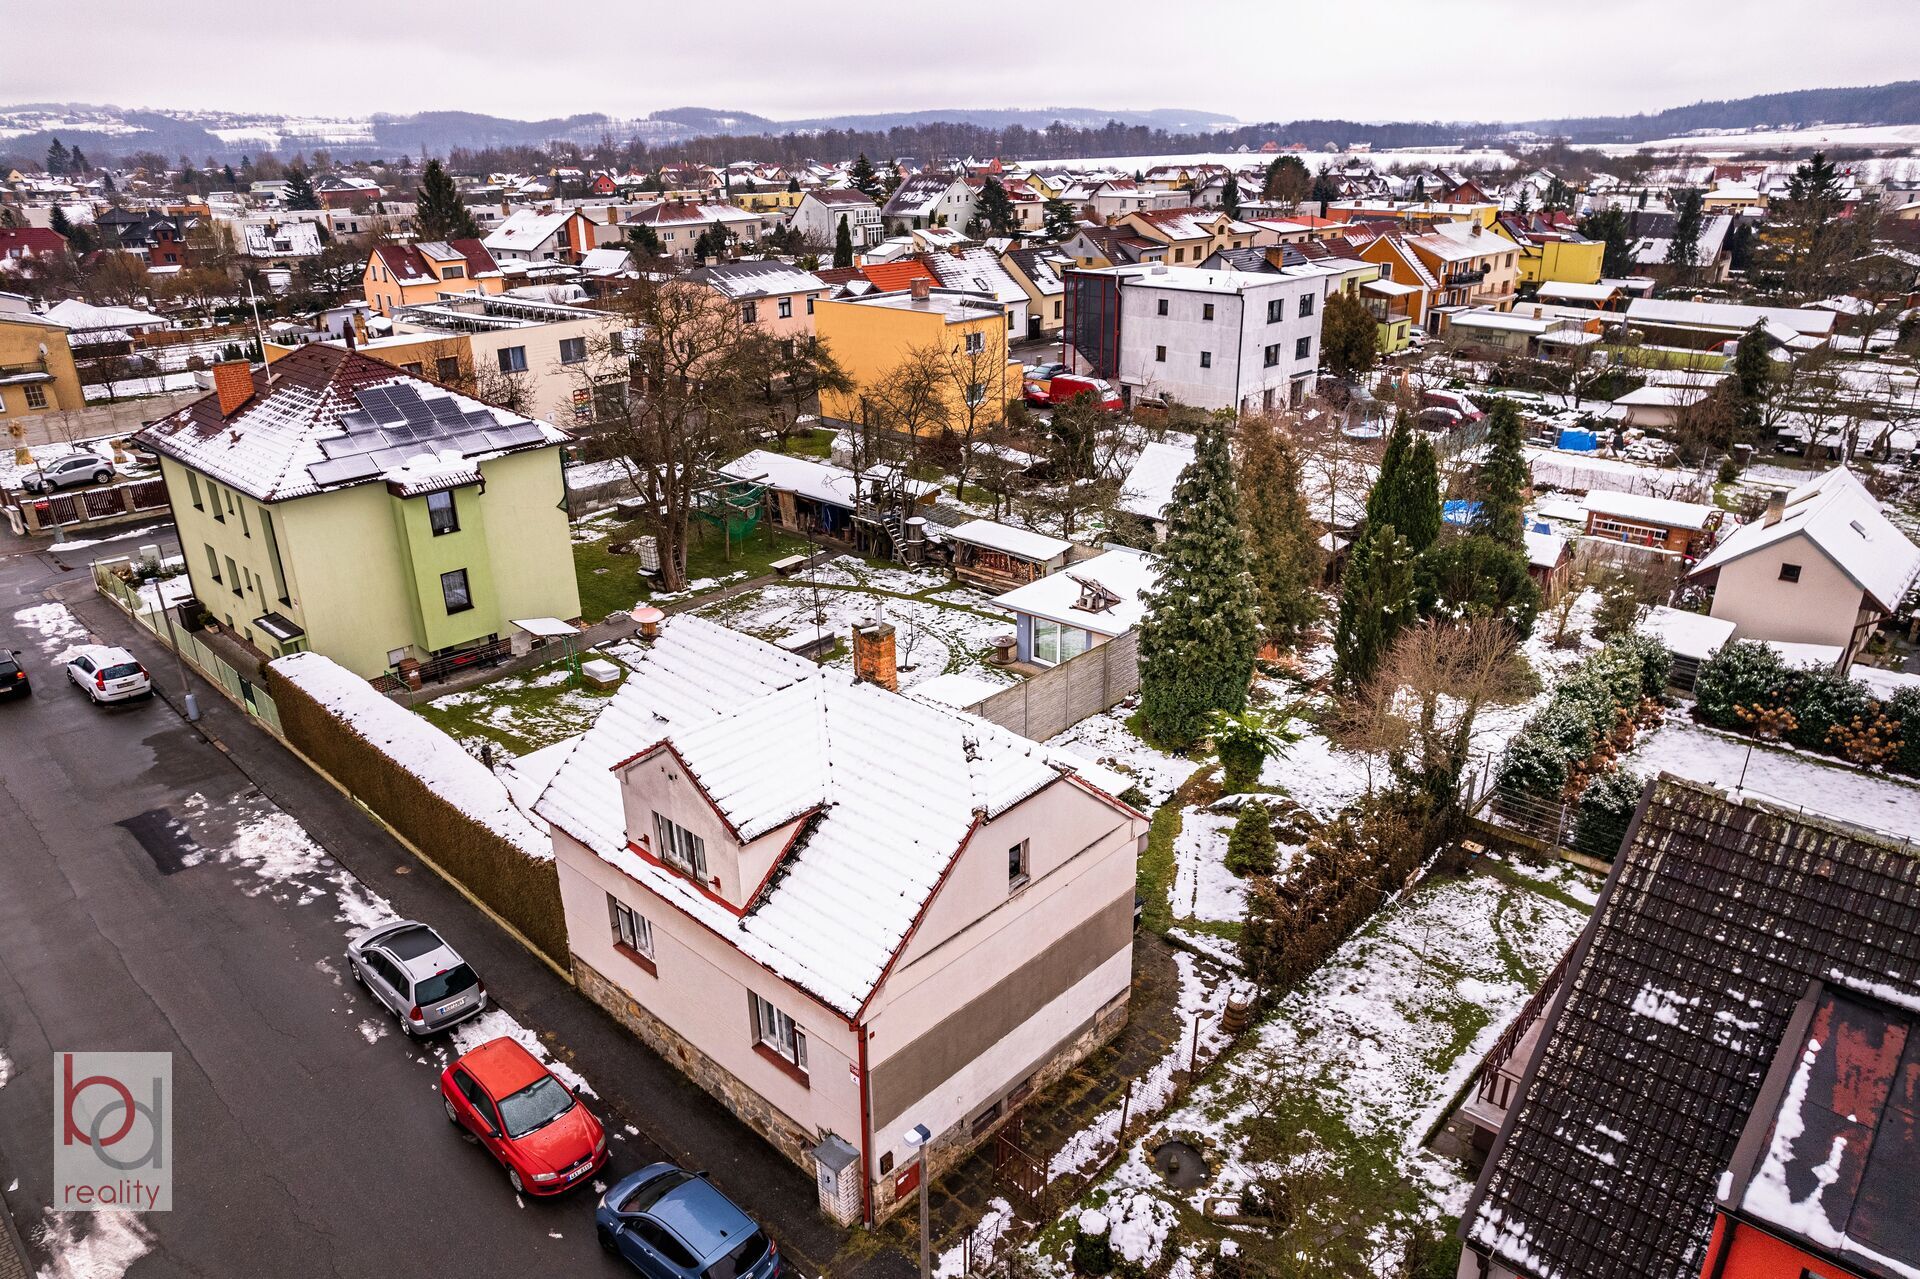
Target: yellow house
{"type": "Point", "coordinates": [767, 200]}
{"type": "Point", "coordinates": [1191, 235]}
{"type": "Point", "coordinates": [873, 336]}
{"type": "Point", "coordinates": [1547, 255]}
{"type": "Point", "coordinates": [37, 373]}
{"type": "Point", "coordinates": [446, 358]}
{"type": "Point", "coordinates": [400, 275]}
{"type": "Point", "coordinates": [344, 507]}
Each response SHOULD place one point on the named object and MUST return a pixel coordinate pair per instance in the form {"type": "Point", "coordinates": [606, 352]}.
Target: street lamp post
{"type": "Point", "coordinates": [916, 1139]}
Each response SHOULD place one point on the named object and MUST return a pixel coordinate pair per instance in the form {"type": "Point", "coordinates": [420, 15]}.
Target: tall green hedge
{"type": "Point", "coordinates": [1748, 674]}
{"type": "Point", "coordinates": [1584, 708]}
{"type": "Point", "coordinates": [520, 889]}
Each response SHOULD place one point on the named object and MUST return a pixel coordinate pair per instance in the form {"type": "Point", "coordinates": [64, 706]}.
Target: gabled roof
{"type": "Point", "coordinates": [757, 279]}
{"type": "Point", "coordinates": [891, 277]}
{"type": "Point", "coordinates": [1041, 267]}
{"type": "Point", "coordinates": [408, 262]}
{"type": "Point", "coordinates": [976, 271]}
{"type": "Point", "coordinates": [840, 196]}
{"type": "Point", "coordinates": [896, 787]}
{"type": "Point", "coordinates": [1148, 489]}
{"type": "Point", "coordinates": [1718, 916]}
{"type": "Point", "coordinates": [1725, 315]}
{"type": "Point", "coordinates": [916, 196]}
{"type": "Point", "coordinates": [303, 417]}
{"type": "Point", "coordinates": [1842, 519]}
{"type": "Point", "coordinates": [526, 230]}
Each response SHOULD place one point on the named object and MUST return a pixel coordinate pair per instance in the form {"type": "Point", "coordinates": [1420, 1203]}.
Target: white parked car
{"type": "Point", "coordinates": [107, 674]}
{"type": "Point", "coordinates": [80, 468]}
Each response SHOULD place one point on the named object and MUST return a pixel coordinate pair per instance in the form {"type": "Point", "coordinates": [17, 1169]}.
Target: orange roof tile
{"type": "Point", "coordinates": [891, 277]}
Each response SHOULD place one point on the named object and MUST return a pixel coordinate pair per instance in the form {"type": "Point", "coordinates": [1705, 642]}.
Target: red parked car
{"type": "Point", "coordinates": [1062, 387]}
{"type": "Point", "coordinates": [525, 1117]}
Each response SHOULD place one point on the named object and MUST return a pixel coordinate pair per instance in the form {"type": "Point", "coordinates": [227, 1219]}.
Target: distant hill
{"type": "Point", "coordinates": [108, 131]}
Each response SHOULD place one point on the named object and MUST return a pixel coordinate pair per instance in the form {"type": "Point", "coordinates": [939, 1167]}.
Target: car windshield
{"type": "Point", "coordinates": [432, 990]}
{"type": "Point", "coordinates": [652, 1192]}
{"type": "Point", "coordinates": [535, 1106]}
{"type": "Point", "coordinates": [741, 1259]}
{"type": "Point", "coordinates": [121, 671]}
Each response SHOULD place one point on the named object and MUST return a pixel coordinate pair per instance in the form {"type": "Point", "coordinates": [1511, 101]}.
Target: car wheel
{"type": "Point", "coordinates": [606, 1239]}
{"type": "Point", "coordinates": [513, 1179]}
{"type": "Point", "coordinates": [453, 1116]}
{"type": "Point", "coordinates": [101, 477]}
{"type": "Point", "coordinates": [355, 970]}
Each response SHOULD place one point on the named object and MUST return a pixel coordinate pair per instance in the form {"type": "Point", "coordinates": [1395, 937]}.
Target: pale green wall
{"type": "Point", "coordinates": [363, 567]}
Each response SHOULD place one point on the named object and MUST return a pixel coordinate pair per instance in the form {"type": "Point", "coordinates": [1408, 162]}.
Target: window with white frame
{"type": "Point", "coordinates": [631, 930]}
{"type": "Point", "coordinates": [976, 343]}
{"type": "Point", "coordinates": [1306, 305]}
{"type": "Point", "coordinates": [976, 394]}
{"type": "Point", "coordinates": [680, 847]}
{"type": "Point", "coordinates": [786, 308]}
{"type": "Point", "coordinates": [774, 1030]}
{"type": "Point", "coordinates": [1054, 643]}
{"type": "Point", "coordinates": [573, 350]}
{"type": "Point", "coordinates": [512, 359]}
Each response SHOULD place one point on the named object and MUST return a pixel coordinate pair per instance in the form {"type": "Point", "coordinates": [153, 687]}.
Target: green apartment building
{"type": "Point", "coordinates": [346, 507]}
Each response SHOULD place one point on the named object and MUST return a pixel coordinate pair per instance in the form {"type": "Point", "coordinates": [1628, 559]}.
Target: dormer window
{"type": "Point", "coordinates": [680, 848]}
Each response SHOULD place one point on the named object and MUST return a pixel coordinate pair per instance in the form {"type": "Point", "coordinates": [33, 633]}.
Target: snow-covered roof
{"type": "Point", "coordinates": [1662, 397]}
{"type": "Point", "coordinates": [1019, 542]}
{"type": "Point", "coordinates": [526, 230]}
{"type": "Point", "coordinates": [81, 316]}
{"type": "Point", "coordinates": [955, 689]}
{"type": "Point", "coordinates": [896, 784]}
{"type": "Point", "coordinates": [758, 279]}
{"type": "Point", "coordinates": [1148, 487]}
{"type": "Point", "coordinates": [1544, 550]}
{"type": "Point", "coordinates": [975, 271]}
{"type": "Point", "coordinates": [1837, 514]}
{"type": "Point", "coordinates": [1650, 510]}
{"type": "Point", "coordinates": [1685, 634]}
{"type": "Point", "coordinates": [1725, 315]}
{"type": "Point", "coordinates": [1572, 291]}
{"type": "Point", "coordinates": [819, 481]}
{"type": "Point", "coordinates": [266, 446]}
{"type": "Point", "coordinates": [1120, 571]}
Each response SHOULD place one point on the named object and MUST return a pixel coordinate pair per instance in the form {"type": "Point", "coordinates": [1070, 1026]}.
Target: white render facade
{"type": "Point", "coordinates": [817, 217]}
{"type": "Point", "coordinates": [1220, 339]}
{"type": "Point", "coordinates": [924, 933]}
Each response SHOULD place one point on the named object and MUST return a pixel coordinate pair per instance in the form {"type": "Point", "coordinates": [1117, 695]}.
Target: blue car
{"type": "Point", "coordinates": [669, 1223]}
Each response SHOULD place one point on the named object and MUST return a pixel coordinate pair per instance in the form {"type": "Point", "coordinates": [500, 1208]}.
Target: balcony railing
{"type": "Point", "coordinates": [1461, 279]}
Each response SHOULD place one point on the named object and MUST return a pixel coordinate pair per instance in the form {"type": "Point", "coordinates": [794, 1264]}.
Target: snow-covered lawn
{"type": "Point", "coordinates": [521, 712]}
{"type": "Point", "coordinates": [896, 579]}
{"type": "Point", "coordinates": [1106, 739]}
{"type": "Point", "coordinates": [1685, 749]}
{"type": "Point", "coordinates": [1378, 1042]}
{"type": "Point", "coordinates": [930, 638]}
{"type": "Point", "coordinates": [1203, 887]}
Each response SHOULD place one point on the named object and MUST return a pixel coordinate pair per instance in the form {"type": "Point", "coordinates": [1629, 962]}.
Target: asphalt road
{"type": "Point", "coordinates": [156, 893]}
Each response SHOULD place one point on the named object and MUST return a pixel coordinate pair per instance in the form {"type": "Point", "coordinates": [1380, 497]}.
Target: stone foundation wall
{"type": "Point", "coordinates": [750, 1107]}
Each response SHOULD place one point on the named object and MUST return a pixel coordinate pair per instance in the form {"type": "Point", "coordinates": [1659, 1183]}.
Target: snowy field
{"type": "Point", "coordinates": [930, 638]}
{"type": "Point", "coordinates": [1106, 739]}
{"type": "Point", "coordinates": [1381, 1038]}
{"type": "Point", "coordinates": [1688, 750]}
{"type": "Point", "coordinates": [1450, 156]}
{"type": "Point", "coordinates": [1743, 141]}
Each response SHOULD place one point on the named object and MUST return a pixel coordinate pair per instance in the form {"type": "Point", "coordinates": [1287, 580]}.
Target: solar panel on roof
{"type": "Point", "coordinates": [343, 470]}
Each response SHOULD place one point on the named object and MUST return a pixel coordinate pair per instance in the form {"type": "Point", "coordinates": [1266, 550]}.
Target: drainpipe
{"type": "Point", "coordinates": [1726, 1247]}
{"type": "Point", "coordinates": [866, 1132]}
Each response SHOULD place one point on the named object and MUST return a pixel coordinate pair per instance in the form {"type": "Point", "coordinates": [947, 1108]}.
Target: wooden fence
{"type": "Point", "coordinates": [1061, 696]}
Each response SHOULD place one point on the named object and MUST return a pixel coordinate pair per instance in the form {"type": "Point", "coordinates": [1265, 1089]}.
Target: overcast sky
{"type": "Point", "coordinates": [1251, 59]}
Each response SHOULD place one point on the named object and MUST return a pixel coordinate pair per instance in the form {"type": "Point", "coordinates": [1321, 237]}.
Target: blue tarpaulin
{"type": "Point", "coordinates": [1459, 512]}
{"type": "Point", "coordinates": [1578, 441]}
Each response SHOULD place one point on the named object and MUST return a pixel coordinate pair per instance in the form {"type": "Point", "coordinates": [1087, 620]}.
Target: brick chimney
{"type": "Point", "coordinates": [233, 381]}
{"type": "Point", "coordinates": [921, 288]}
{"type": "Point", "coordinates": [873, 654]}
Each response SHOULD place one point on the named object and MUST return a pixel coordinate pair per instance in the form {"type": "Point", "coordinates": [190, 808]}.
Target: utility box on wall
{"type": "Point", "coordinates": [837, 1173]}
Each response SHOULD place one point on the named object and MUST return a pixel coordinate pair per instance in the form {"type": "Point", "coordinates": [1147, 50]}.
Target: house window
{"type": "Point", "coordinates": [809, 305]}
{"type": "Point", "coordinates": [233, 577]}
{"type": "Point", "coordinates": [1019, 866]}
{"type": "Point", "coordinates": [245, 529]}
{"type": "Point", "coordinates": [1303, 349]}
{"type": "Point", "coordinates": [634, 932]}
{"type": "Point", "coordinates": [513, 359]}
{"type": "Point", "coordinates": [1306, 305]}
{"type": "Point", "coordinates": [36, 396]}
{"type": "Point", "coordinates": [1054, 643]}
{"type": "Point", "coordinates": [1386, 270]}
{"type": "Point", "coordinates": [1273, 355]}
{"type": "Point", "coordinates": [454, 591]}
{"type": "Point", "coordinates": [273, 555]}
{"type": "Point", "coordinates": [213, 564]}
{"type": "Point", "coordinates": [573, 350]}
{"type": "Point", "coordinates": [680, 847]}
{"type": "Point", "coordinates": [1789, 572]}
{"type": "Point", "coordinates": [441, 515]}
{"type": "Point", "coordinates": [775, 1031]}
{"type": "Point", "coordinates": [1276, 310]}
{"type": "Point", "coordinates": [453, 273]}
{"type": "Point", "coordinates": [976, 394]}
{"type": "Point", "coordinates": [213, 495]}
{"type": "Point", "coordinates": [447, 368]}
{"type": "Point", "coordinates": [1206, 310]}
{"type": "Point", "coordinates": [1163, 306]}
{"type": "Point", "coordinates": [786, 308]}
{"type": "Point", "coordinates": [193, 487]}
{"type": "Point", "coordinates": [1160, 354]}
{"type": "Point", "coordinates": [1206, 359]}
{"type": "Point", "coordinates": [976, 343]}
{"type": "Point", "coordinates": [750, 312]}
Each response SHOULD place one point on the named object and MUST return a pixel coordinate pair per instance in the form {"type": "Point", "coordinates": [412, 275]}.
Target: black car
{"type": "Point", "coordinates": [13, 676]}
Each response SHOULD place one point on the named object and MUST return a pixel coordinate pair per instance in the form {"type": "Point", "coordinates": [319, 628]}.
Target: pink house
{"type": "Point", "coordinates": [772, 295]}
{"type": "Point", "coordinates": [842, 911]}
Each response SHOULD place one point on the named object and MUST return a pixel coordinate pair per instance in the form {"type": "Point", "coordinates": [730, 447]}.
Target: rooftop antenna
{"type": "Point", "coordinates": [259, 332]}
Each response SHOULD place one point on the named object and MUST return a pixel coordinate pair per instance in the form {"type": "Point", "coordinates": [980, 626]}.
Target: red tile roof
{"type": "Point", "coordinates": [30, 239]}
{"type": "Point", "coordinates": [891, 277]}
